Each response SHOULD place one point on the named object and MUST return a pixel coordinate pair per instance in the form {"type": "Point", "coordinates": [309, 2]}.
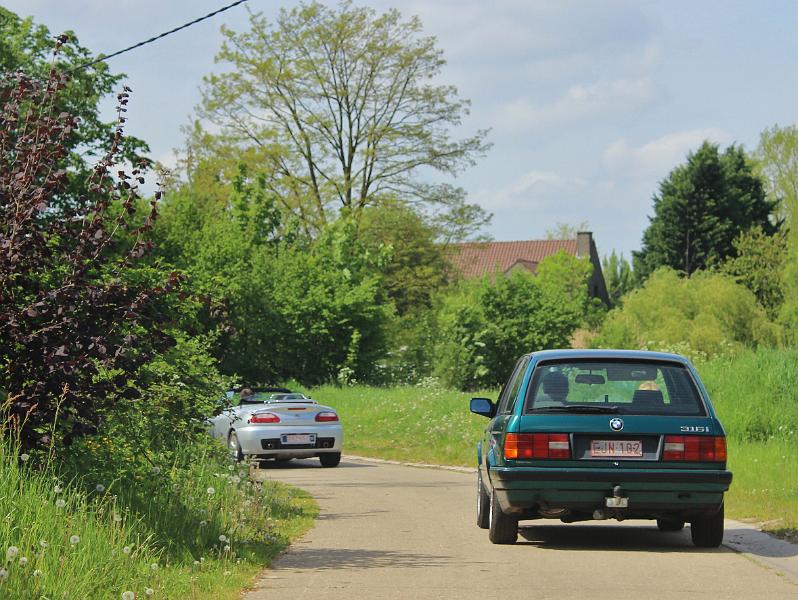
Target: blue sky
{"type": "Point", "coordinates": [590, 103]}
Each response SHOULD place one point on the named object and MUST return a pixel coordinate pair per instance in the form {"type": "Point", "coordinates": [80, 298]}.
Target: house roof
{"type": "Point", "coordinates": [485, 258]}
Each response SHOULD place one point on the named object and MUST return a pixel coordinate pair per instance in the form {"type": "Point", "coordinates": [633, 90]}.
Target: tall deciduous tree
{"type": "Point", "coordinates": [340, 107]}
{"type": "Point", "coordinates": [778, 163]}
{"type": "Point", "coordinates": [701, 207]}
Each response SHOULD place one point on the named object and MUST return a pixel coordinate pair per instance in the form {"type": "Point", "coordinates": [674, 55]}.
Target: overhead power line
{"type": "Point", "coordinates": [158, 37]}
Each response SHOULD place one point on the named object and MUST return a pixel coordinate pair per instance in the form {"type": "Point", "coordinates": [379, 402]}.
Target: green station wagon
{"type": "Point", "coordinates": [582, 435]}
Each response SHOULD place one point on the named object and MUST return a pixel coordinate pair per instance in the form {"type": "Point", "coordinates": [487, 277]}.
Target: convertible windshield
{"type": "Point", "coordinates": [612, 386]}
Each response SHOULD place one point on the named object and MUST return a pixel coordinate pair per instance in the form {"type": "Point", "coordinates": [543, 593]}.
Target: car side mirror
{"type": "Point", "coordinates": [483, 406]}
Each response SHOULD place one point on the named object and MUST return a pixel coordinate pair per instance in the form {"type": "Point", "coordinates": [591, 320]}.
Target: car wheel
{"type": "Point", "coordinates": [670, 524]}
{"type": "Point", "coordinates": [235, 447]}
{"type": "Point", "coordinates": [502, 528]}
{"type": "Point", "coordinates": [707, 532]}
{"type": "Point", "coordinates": [483, 504]}
{"type": "Point", "coordinates": [330, 459]}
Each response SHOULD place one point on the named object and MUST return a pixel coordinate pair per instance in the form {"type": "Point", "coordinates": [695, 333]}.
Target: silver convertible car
{"type": "Point", "coordinates": [279, 424]}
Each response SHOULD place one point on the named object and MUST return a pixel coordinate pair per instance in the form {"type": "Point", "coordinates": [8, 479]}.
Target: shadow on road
{"type": "Point", "coordinates": [341, 516]}
{"type": "Point", "coordinates": [759, 543]}
{"type": "Point", "coordinates": [607, 537]}
{"type": "Point", "coordinates": [308, 463]}
{"type": "Point", "coordinates": [356, 558]}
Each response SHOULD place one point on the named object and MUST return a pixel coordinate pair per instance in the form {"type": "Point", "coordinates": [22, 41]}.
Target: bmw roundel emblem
{"type": "Point", "coordinates": [616, 424]}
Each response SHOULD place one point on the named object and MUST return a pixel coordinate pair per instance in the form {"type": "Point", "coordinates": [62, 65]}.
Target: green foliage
{"type": "Point", "coordinates": [701, 208]}
{"type": "Point", "coordinates": [618, 276]}
{"type": "Point", "coordinates": [484, 326]}
{"type": "Point", "coordinates": [416, 268]}
{"type": "Point", "coordinates": [339, 108]}
{"type": "Point", "coordinates": [778, 162]}
{"type": "Point", "coordinates": [759, 266]}
{"type": "Point", "coordinates": [703, 316]}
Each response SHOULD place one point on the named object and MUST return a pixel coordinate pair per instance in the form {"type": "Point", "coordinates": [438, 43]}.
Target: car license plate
{"type": "Point", "coordinates": [298, 438]}
{"type": "Point", "coordinates": [616, 448]}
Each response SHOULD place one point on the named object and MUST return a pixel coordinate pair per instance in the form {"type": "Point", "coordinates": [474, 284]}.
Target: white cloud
{"type": "Point", "coordinates": [580, 102]}
{"type": "Point", "coordinates": [537, 190]}
{"type": "Point", "coordinates": [657, 157]}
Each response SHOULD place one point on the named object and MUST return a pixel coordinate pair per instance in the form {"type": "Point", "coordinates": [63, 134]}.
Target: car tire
{"type": "Point", "coordinates": [483, 504]}
{"type": "Point", "coordinates": [670, 524]}
{"type": "Point", "coordinates": [707, 532]}
{"type": "Point", "coordinates": [502, 528]}
{"type": "Point", "coordinates": [235, 447]}
{"type": "Point", "coordinates": [330, 459]}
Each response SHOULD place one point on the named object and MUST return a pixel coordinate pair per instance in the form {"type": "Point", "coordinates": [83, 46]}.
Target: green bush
{"type": "Point", "coordinates": [703, 316]}
{"type": "Point", "coordinates": [484, 326]}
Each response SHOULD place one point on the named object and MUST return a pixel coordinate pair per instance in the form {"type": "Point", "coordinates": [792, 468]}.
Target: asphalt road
{"type": "Point", "coordinates": [393, 532]}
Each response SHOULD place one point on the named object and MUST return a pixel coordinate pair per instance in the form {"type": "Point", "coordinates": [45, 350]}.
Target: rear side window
{"type": "Point", "coordinates": [625, 387]}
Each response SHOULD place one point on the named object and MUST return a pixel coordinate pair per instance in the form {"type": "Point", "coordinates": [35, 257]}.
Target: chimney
{"type": "Point", "coordinates": [583, 241]}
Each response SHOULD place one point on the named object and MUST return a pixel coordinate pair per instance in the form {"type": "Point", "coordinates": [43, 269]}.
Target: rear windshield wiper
{"type": "Point", "coordinates": [580, 408]}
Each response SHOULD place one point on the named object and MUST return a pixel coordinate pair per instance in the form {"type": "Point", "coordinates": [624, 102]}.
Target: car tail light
{"type": "Point", "coordinates": [326, 416]}
{"type": "Point", "coordinates": [537, 445]}
{"type": "Point", "coordinates": [698, 448]}
{"type": "Point", "coordinates": [264, 417]}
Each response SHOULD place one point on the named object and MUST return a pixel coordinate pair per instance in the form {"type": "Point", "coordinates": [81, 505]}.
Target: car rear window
{"type": "Point", "coordinates": [625, 387]}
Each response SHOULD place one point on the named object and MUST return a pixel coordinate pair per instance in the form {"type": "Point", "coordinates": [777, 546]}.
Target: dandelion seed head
{"type": "Point", "coordinates": [203, 523]}
{"type": "Point", "coordinates": [128, 595]}
{"type": "Point", "coordinates": [60, 503]}
{"type": "Point", "coordinates": [156, 470]}
{"type": "Point", "coordinates": [75, 539]}
{"type": "Point", "coordinates": [117, 518]}
{"type": "Point", "coordinates": [231, 467]}
{"type": "Point", "coordinates": [24, 457]}
{"type": "Point", "coordinates": [154, 566]}
{"type": "Point", "coordinates": [58, 489]}
{"type": "Point", "coordinates": [23, 560]}
{"type": "Point", "coordinates": [43, 543]}
{"type": "Point", "coordinates": [211, 491]}
{"type": "Point", "coordinates": [149, 591]}
{"type": "Point", "coordinates": [12, 552]}
{"type": "Point", "coordinates": [100, 488]}
{"type": "Point", "coordinates": [3, 573]}
{"type": "Point", "coordinates": [226, 573]}
{"type": "Point", "coordinates": [223, 538]}
{"type": "Point", "coordinates": [126, 549]}
{"type": "Point", "coordinates": [37, 573]}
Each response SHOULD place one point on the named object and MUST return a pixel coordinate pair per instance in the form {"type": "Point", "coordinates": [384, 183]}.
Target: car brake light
{"type": "Point", "coordinates": [264, 417]}
{"type": "Point", "coordinates": [698, 448]}
{"type": "Point", "coordinates": [537, 445]}
{"type": "Point", "coordinates": [326, 416]}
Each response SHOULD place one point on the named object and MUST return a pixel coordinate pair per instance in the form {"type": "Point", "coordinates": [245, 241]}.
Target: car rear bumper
{"type": "Point", "coordinates": [265, 440]}
{"type": "Point", "coordinates": [650, 492]}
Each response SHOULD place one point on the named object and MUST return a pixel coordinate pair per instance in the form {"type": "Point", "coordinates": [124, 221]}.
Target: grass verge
{"type": "Point", "coordinates": [198, 530]}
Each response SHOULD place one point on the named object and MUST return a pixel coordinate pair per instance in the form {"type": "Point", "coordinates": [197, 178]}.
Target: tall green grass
{"type": "Point", "coordinates": [200, 529]}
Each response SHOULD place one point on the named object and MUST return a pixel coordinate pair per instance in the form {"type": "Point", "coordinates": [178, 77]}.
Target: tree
{"type": "Point", "coordinates": [703, 316]}
{"type": "Point", "coordinates": [702, 206]}
{"type": "Point", "coordinates": [28, 47]}
{"type": "Point", "coordinates": [778, 162]}
{"type": "Point", "coordinates": [77, 315]}
{"type": "Point", "coordinates": [565, 231]}
{"type": "Point", "coordinates": [338, 106]}
{"type": "Point", "coordinates": [618, 275]}
{"type": "Point", "coordinates": [759, 266]}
